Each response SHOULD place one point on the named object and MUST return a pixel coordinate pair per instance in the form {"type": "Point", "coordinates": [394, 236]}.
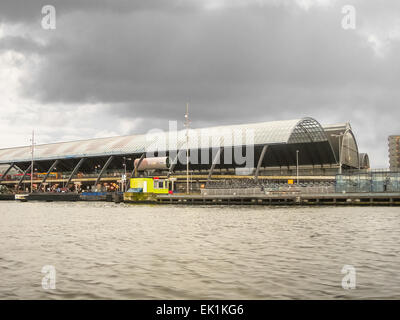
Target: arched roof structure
{"type": "Point", "coordinates": [364, 161]}
{"type": "Point", "coordinates": [305, 130]}
{"type": "Point", "coordinates": [289, 141]}
{"type": "Point", "coordinates": [348, 149]}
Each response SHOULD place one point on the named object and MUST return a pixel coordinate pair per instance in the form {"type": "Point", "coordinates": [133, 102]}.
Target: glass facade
{"type": "Point", "coordinates": [379, 181]}
{"type": "Point", "coordinates": [308, 130]}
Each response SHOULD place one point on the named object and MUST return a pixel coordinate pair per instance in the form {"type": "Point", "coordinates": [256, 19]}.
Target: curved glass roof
{"type": "Point", "coordinates": [364, 161]}
{"type": "Point", "coordinates": [306, 130]}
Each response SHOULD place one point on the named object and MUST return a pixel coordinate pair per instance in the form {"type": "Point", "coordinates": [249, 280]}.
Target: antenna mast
{"type": "Point", "coordinates": [32, 152]}
{"type": "Point", "coordinates": [187, 123]}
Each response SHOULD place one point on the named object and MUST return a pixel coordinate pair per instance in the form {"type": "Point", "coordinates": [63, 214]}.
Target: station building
{"type": "Point", "coordinates": [278, 148]}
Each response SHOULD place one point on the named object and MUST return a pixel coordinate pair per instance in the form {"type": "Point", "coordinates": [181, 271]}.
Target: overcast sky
{"type": "Point", "coordinates": [120, 67]}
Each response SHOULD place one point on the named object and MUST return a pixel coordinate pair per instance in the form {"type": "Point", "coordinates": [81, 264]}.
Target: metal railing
{"type": "Point", "coordinates": [297, 190]}
{"type": "Point", "coordinates": [232, 192]}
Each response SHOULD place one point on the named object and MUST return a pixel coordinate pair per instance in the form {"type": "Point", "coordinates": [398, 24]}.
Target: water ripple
{"type": "Point", "coordinates": [107, 251]}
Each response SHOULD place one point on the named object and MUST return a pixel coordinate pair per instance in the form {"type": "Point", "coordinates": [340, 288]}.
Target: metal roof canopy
{"type": "Point", "coordinates": [298, 131]}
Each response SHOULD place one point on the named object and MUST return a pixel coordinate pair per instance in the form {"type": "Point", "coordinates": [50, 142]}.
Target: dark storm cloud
{"type": "Point", "coordinates": [28, 11]}
{"type": "Point", "coordinates": [224, 59]}
{"type": "Point", "coordinates": [146, 59]}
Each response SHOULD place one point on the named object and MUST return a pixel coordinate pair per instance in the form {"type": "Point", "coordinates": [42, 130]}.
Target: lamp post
{"type": "Point", "coordinates": [297, 166]}
{"type": "Point", "coordinates": [339, 136]}
{"type": "Point", "coordinates": [124, 177]}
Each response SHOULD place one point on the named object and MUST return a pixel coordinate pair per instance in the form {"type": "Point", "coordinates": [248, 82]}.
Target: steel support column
{"type": "Point", "coordinates": [23, 177]}
{"type": "Point", "coordinates": [48, 172]}
{"type": "Point", "coordinates": [18, 168]}
{"type": "Point", "coordinates": [174, 162]}
{"type": "Point", "coordinates": [6, 172]}
{"type": "Point", "coordinates": [213, 164]}
{"type": "Point", "coordinates": [135, 168]}
{"type": "Point", "coordinates": [260, 160]}
{"type": "Point", "coordinates": [103, 169]}
{"type": "Point", "coordinates": [74, 171]}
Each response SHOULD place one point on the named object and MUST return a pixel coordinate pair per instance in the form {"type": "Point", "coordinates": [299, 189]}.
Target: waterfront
{"type": "Point", "coordinates": [119, 251]}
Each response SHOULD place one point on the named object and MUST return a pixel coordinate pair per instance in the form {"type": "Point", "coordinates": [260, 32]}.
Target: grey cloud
{"type": "Point", "coordinates": [28, 11]}
{"type": "Point", "coordinates": [236, 65]}
{"type": "Point", "coordinates": [135, 58]}
{"type": "Point", "coordinates": [21, 44]}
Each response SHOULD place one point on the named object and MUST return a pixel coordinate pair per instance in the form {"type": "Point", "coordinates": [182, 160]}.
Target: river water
{"type": "Point", "coordinates": [118, 251]}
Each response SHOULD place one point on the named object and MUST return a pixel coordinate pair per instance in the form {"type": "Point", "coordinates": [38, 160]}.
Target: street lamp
{"type": "Point", "coordinates": [297, 166]}
{"type": "Point", "coordinates": [339, 136]}
{"type": "Point", "coordinates": [124, 180]}
{"type": "Point", "coordinates": [124, 177]}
